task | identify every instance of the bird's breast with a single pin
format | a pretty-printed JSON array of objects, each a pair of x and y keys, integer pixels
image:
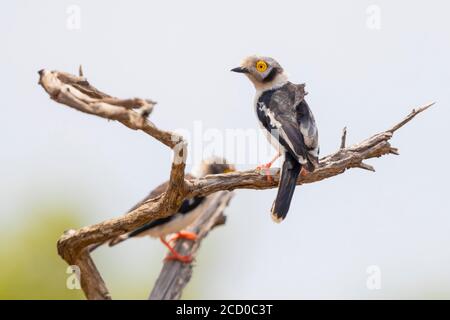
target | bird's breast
[{"x": 267, "y": 123}]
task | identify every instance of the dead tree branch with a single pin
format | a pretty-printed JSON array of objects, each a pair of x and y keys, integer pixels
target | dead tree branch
[
  {"x": 175, "y": 275},
  {"x": 77, "y": 93},
  {"x": 344, "y": 137}
]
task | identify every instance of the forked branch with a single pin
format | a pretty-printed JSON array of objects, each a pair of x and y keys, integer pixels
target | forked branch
[{"x": 77, "y": 93}]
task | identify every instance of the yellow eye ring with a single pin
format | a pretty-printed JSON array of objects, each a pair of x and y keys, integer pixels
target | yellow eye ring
[{"x": 261, "y": 66}]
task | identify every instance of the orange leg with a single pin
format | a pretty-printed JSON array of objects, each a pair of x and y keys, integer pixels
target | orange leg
[
  {"x": 267, "y": 166},
  {"x": 184, "y": 235},
  {"x": 304, "y": 172},
  {"x": 174, "y": 254}
]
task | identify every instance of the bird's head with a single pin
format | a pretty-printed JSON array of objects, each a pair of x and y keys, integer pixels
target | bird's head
[
  {"x": 214, "y": 165},
  {"x": 263, "y": 72}
]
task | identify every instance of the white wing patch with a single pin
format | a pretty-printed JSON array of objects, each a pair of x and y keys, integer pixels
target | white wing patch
[
  {"x": 277, "y": 124},
  {"x": 309, "y": 132},
  {"x": 274, "y": 122}
]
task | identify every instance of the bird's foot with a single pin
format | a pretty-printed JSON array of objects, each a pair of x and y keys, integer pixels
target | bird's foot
[
  {"x": 304, "y": 172},
  {"x": 184, "y": 235},
  {"x": 175, "y": 256},
  {"x": 266, "y": 169}
]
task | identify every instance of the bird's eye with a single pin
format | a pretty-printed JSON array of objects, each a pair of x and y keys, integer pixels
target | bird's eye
[{"x": 261, "y": 66}]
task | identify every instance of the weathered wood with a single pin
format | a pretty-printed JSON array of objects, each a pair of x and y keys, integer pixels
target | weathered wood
[
  {"x": 344, "y": 137},
  {"x": 175, "y": 275},
  {"x": 77, "y": 93}
]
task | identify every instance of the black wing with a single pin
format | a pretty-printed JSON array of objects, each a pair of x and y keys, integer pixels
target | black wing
[
  {"x": 286, "y": 115},
  {"x": 187, "y": 206}
]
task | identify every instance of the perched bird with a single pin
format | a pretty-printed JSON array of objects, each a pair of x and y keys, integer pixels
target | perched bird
[
  {"x": 289, "y": 123},
  {"x": 185, "y": 216}
]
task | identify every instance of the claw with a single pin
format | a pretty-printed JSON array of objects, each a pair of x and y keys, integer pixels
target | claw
[
  {"x": 266, "y": 168},
  {"x": 174, "y": 255},
  {"x": 184, "y": 235},
  {"x": 304, "y": 172},
  {"x": 179, "y": 257}
]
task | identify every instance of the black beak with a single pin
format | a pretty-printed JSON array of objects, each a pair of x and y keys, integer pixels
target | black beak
[{"x": 240, "y": 70}]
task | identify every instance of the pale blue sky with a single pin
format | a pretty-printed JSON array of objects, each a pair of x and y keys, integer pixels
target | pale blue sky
[{"x": 179, "y": 53}]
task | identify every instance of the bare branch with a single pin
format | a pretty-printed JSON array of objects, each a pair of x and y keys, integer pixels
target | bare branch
[
  {"x": 77, "y": 93},
  {"x": 410, "y": 116},
  {"x": 366, "y": 166},
  {"x": 175, "y": 275},
  {"x": 344, "y": 137},
  {"x": 90, "y": 279},
  {"x": 394, "y": 151}
]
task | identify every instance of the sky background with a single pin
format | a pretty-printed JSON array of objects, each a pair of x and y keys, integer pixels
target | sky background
[{"x": 366, "y": 64}]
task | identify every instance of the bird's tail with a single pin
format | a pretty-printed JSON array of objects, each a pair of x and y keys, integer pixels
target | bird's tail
[{"x": 286, "y": 187}]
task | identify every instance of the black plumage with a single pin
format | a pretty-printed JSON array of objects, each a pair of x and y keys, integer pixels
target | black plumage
[
  {"x": 187, "y": 206},
  {"x": 288, "y": 178},
  {"x": 185, "y": 214},
  {"x": 284, "y": 113}
]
